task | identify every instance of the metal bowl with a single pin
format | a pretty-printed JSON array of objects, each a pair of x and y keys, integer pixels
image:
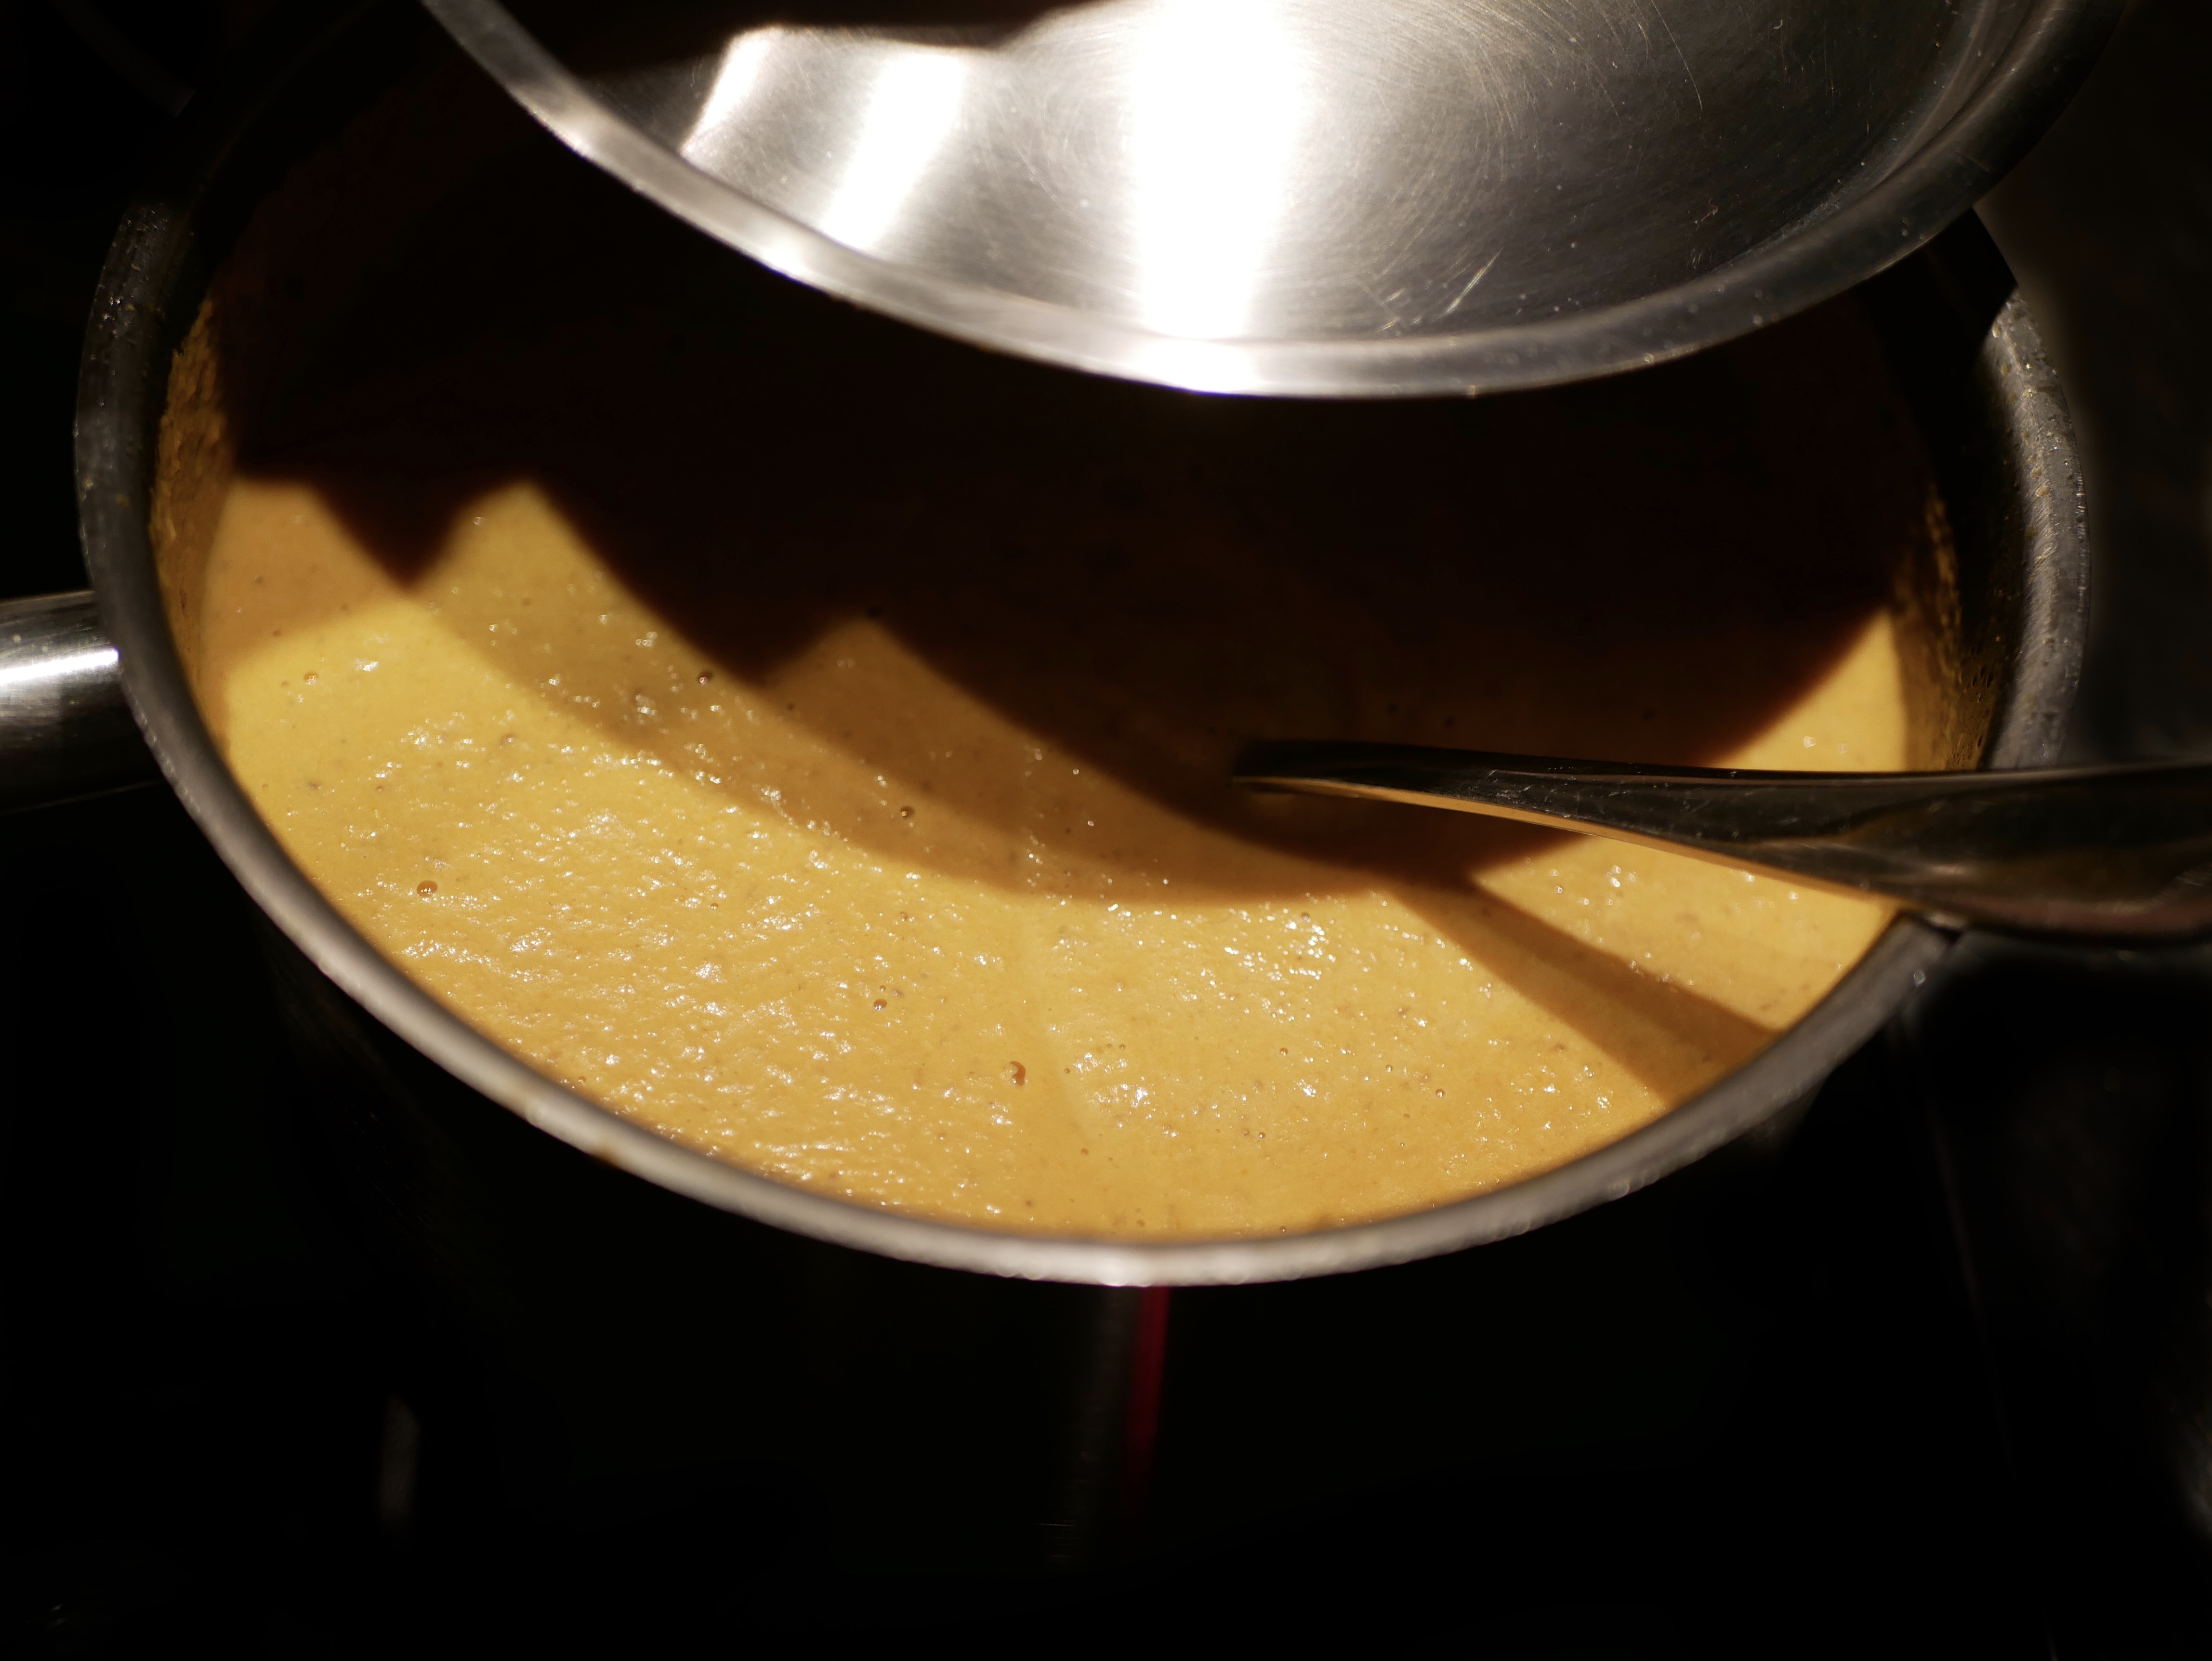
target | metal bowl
[
  {"x": 2003, "y": 626},
  {"x": 1343, "y": 197}
]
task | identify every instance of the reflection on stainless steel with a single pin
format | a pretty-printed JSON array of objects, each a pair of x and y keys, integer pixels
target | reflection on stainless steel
[
  {"x": 65, "y": 730},
  {"x": 2116, "y": 853},
  {"x": 1359, "y": 197}
]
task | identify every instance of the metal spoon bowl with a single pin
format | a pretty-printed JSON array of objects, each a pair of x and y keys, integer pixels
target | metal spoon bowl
[{"x": 2121, "y": 853}]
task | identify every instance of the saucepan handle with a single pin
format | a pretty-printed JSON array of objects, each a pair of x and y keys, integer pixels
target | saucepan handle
[{"x": 65, "y": 730}]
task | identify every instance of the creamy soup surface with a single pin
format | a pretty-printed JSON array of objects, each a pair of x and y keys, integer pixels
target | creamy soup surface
[{"x": 811, "y": 740}]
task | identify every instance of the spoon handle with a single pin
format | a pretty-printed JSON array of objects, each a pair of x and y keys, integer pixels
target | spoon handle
[{"x": 2119, "y": 853}]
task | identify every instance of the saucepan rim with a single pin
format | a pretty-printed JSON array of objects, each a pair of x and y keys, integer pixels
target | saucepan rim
[{"x": 148, "y": 286}]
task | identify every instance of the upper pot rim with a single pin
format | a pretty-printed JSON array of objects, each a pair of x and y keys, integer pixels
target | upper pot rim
[{"x": 122, "y": 393}]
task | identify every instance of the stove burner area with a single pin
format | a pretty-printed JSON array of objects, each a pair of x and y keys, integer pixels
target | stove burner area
[{"x": 1938, "y": 1364}]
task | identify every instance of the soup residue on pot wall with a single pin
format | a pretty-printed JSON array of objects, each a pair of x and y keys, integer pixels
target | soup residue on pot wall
[{"x": 810, "y": 737}]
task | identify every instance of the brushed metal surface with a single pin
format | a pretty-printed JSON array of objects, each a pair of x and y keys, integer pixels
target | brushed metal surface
[
  {"x": 1318, "y": 197},
  {"x": 65, "y": 728}
]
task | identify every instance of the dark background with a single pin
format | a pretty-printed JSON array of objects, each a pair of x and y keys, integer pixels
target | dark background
[{"x": 1940, "y": 1378}]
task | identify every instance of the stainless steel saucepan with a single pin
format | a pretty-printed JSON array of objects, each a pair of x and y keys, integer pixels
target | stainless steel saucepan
[{"x": 411, "y": 1080}]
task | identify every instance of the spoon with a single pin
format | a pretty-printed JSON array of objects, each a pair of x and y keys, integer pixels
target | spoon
[{"x": 2121, "y": 853}]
